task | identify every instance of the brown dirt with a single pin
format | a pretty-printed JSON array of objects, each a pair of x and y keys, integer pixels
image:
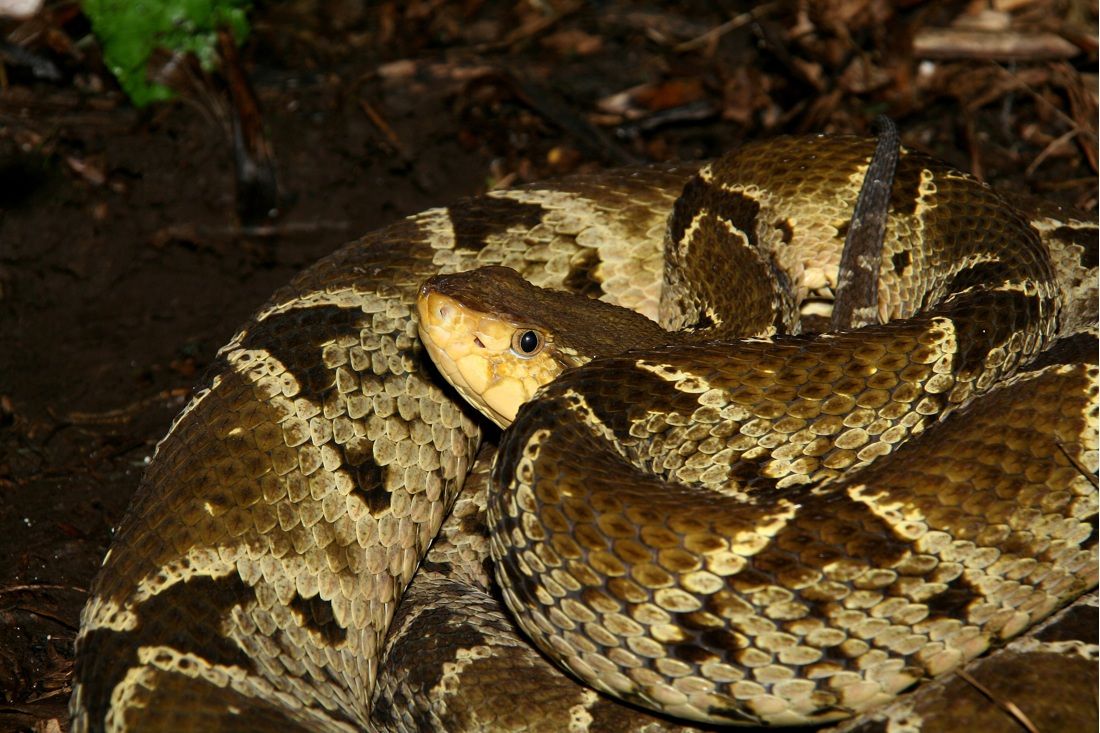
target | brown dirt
[{"x": 123, "y": 267}]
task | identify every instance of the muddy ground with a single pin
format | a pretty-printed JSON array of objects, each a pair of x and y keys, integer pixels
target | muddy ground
[{"x": 124, "y": 262}]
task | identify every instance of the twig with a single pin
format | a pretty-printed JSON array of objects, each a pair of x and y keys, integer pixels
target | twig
[
  {"x": 856, "y": 301},
  {"x": 48, "y": 695},
  {"x": 973, "y": 148},
  {"x": 955, "y": 43},
  {"x": 383, "y": 127},
  {"x": 49, "y": 617},
  {"x": 531, "y": 29},
  {"x": 1040, "y": 99},
  {"x": 1082, "y": 106},
  {"x": 1018, "y": 82},
  {"x": 720, "y": 30},
  {"x": 691, "y": 112},
  {"x": 257, "y": 182},
  {"x": 1079, "y": 466},
  {"x": 122, "y": 414},
  {"x": 40, "y": 586},
  {"x": 1050, "y": 148},
  {"x": 193, "y": 232},
  {"x": 1009, "y": 707}
]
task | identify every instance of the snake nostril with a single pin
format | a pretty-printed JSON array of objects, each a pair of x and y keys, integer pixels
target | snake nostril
[
  {"x": 443, "y": 312},
  {"x": 477, "y": 343}
]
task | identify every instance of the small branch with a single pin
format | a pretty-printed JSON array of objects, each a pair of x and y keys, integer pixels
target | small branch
[
  {"x": 257, "y": 186},
  {"x": 49, "y": 617},
  {"x": 718, "y": 31},
  {"x": 856, "y": 301},
  {"x": 1050, "y": 148},
  {"x": 957, "y": 43},
  {"x": 1009, "y": 707},
  {"x": 530, "y": 29},
  {"x": 124, "y": 414},
  {"x": 384, "y": 127},
  {"x": 41, "y": 586},
  {"x": 1079, "y": 466}
]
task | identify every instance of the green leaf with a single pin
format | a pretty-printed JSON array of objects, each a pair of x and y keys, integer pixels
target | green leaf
[{"x": 130, "y": 30}]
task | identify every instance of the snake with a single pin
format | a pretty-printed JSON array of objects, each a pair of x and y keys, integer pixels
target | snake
[{"x": 787, "y": 527}]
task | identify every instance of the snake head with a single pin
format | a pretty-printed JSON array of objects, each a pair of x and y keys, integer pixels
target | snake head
[{"x": 497, "y": 338}]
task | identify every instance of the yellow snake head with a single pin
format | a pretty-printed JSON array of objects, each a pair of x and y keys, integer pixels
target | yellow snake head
[{"x": 497, "y": 338}]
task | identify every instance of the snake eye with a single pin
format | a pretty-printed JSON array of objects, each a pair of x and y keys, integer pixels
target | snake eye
[{"x": 526, "y": 343}]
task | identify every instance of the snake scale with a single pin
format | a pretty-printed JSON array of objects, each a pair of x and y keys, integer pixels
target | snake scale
[{"x": 256, "y": 580}]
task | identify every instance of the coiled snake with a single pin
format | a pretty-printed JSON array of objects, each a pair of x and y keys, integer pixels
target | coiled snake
[{"x": 847, "y": 550}]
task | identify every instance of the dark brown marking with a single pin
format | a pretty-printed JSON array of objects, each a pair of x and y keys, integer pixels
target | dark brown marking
[
  {"x": 800, "y": 550},
  {"x": 443, "y": 568},
  {"x": 1094, "y": 532},
  {"x": 179, "y": 703},
  {"x": 723, "y": 641},
  {"x": 369, "y": 477},
  {"x": 786, "y": 233},
  {"x": 683, "y": 211},
  {"x": 740, "y": 211},
  {"x": 475, "y": 524},
  {"x": 582, "y": 274},
  {"x": 748, "y": 472},
  {"x": 317, "y": 616},
  {"x": 475, "y": 220},
  {"x": 901, "y": 261},
  {"x": 733, "y": 715},
  {"x": 611, "y": 411},
  {"x": 695, "y": 621},
  {"x": 982, "y": 273},
  {"x": 185, "y": 617},
  {"x": 692, "y": 654},
  {"x": 762, "y": 290},
  {"x": 986, "y": 320},
  {"x": 782, "y": 285},
  {"x": 703, "y": 322},
  {"x": 433, "y": 625},
  {"x": 1085, "y": 237},
  {"x": 954, "y": 600},
  {"x": 1078, "y": 623},
  {"x": 295, "y": 337},
  {"x": 1075, "y": 349},
  {"x": 736, "y": 208}
]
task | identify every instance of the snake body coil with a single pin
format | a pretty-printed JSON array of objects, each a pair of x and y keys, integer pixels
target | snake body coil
[{"x": 858, "y": 540}]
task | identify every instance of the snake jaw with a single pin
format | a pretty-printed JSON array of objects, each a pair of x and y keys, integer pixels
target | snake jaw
[{"x": 473, "y": 351}]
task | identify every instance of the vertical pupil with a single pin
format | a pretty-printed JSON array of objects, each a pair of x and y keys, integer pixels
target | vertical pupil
[{"x": 529, "y": 341}]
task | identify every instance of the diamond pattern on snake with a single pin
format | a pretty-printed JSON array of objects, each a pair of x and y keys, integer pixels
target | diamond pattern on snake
[{"x": 702, "y": 512}]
